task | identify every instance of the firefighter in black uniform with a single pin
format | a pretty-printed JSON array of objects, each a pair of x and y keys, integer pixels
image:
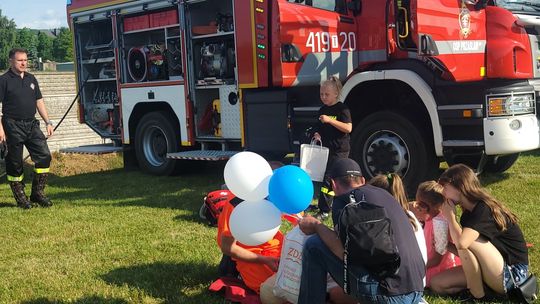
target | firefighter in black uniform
[{"x": 20, "y": 97}]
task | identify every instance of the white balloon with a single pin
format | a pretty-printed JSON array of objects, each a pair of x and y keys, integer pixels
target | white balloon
[
  {"x": 247, "y": 175},
  {"x": 254, "y": 222}
]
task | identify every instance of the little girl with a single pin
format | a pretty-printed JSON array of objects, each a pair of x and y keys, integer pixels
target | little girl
[
  {"x": 333, "y": 130},
  {"x": 429, "y": 200}
]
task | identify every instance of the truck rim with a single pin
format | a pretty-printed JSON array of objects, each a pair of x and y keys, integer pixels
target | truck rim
[
  {"x": 385, "y": 151},
  {"x": 155, "y": 146}
]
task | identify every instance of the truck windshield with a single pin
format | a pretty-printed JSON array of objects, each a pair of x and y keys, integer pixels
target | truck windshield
[{"x": 521, "y": 6}]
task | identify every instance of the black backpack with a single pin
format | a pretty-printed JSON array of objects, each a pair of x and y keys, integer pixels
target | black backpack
[{"x": 367, "y": 237}]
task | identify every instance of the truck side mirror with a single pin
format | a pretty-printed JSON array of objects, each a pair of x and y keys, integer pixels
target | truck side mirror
[{"x": 355, "y": 6}]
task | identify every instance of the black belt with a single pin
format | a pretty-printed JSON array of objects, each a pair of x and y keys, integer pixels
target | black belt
[{"x": 20, "y": 119}]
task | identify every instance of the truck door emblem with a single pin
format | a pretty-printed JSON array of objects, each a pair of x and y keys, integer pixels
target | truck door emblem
[{"x": 464, "y": 21}]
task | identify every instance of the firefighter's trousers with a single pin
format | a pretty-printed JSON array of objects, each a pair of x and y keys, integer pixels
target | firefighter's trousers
[{"x": 21, "y": 133}]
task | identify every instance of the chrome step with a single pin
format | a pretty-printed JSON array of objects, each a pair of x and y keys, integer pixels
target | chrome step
[
  {"x": 92, "y": 149},
  {"x": 211, "y": 155}
]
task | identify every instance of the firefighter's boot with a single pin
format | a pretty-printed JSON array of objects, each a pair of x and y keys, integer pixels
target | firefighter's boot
[
  {"x": 20, "y": 197},
  {"x": 38, "y": 190}
]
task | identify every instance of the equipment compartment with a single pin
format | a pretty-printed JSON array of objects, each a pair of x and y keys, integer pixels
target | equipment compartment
[
  {"x": 97, "y": 76},
  {"x": 212, "y": 47},
  {"x": 153, "y": 54}
]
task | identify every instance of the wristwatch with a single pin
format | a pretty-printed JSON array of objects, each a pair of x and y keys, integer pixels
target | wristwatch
[{"x": 49, "y": 123}]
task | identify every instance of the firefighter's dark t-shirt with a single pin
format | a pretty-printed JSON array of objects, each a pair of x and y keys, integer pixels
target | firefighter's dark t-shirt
[
  {"x": 18, "y": 95},
  {"x": 510, "y": 243},
  {"x": 332, "y": 138}
]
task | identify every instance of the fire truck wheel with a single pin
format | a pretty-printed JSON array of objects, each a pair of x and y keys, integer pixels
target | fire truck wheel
[
  {"x": 499, "y": 164},
  {"x": 154, "y": 138},
  {"x": 387, "y": 142}
]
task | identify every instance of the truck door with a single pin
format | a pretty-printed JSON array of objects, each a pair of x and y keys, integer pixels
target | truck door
[
  {"x": 315, "y": 39},
  {"x": 452, "y": 36}
]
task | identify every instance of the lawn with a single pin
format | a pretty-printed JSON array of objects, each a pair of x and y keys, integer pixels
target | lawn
[{"x": 117, "y": 236}]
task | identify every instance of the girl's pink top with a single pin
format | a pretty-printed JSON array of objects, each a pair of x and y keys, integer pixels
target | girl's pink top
[{"x": 437, "y": 238}]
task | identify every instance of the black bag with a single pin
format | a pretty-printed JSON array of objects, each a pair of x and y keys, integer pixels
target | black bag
[
  {"x": 526, "y": 292},
  {"x": 367, "y": 237},
  {"x": 213, "y": 203}
]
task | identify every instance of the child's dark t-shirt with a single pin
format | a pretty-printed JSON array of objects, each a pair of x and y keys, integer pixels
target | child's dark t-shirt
[
  {"x": 335, "y": 140},
  {"x": 510, "y": 243}
]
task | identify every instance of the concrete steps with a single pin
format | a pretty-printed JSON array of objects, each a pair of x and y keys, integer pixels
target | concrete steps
[{"x": 57, "y": 83}]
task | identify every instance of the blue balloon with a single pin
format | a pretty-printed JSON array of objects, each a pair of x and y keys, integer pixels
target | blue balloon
[{"x": 290, "y": 189}]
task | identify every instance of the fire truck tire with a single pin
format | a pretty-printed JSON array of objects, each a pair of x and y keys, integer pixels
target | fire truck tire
[
  {"x": 499, "y": 164},
  {"x": 386, "y": 142},
  {"x": 155, "y": 136}
]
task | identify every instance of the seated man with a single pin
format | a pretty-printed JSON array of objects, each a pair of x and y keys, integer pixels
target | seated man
[
  {"x": 255, "y": 263},
  {"x": 323, "y": 252}
]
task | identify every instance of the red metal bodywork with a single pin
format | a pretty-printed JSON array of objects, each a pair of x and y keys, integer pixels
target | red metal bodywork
[
  {"x": 78, "y": 4},
  {"x": 246, "y": 69},
  {"x": 463, "y": 54},
  {"x": 504, "y": 53},
  {"x": 293, "y": 24},
  {"x": 509, "y": 51}
]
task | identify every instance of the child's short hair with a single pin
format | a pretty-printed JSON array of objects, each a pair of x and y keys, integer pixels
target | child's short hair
[
  {"x": 432, "y": 192},
  {"x": 335, "y": 82}
]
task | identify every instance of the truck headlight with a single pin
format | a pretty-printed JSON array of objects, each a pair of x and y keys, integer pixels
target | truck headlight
[{"x": 511, "y": 105}]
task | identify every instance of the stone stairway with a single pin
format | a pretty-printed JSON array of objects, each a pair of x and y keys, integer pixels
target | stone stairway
[{"x": 56, "y": 83}]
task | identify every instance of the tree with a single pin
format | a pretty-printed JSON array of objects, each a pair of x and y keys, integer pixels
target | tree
[
  {"x": 63, "y": 46},
  {"x": 8, "y": 36},
  {"x": 26, "y": 38},
  {"x": 44, "y": 46}
]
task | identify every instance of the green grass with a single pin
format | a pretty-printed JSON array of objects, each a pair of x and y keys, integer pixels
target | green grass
[{"x": 117, "y": 236}]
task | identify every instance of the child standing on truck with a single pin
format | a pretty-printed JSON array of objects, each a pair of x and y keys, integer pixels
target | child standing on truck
[{"x": 333, "y": 131}]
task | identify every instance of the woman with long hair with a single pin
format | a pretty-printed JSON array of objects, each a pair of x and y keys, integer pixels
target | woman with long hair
[{"x": 487, "y": 237}]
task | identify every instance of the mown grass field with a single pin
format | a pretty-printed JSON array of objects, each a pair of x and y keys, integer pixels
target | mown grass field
[{"x": 116, "y": 236}]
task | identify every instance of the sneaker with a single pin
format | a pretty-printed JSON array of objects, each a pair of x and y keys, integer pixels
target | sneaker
[{"x": 465, "y": 296}]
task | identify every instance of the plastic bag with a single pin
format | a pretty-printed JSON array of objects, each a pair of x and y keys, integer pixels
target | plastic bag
[
  {"x": 313, "y": 159},
  {"x": 290, "y": 266}
]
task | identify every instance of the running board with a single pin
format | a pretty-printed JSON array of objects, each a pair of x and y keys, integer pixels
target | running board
[
  {"x": 92, "y": 149},
  {"x": 211, "y": 155}
]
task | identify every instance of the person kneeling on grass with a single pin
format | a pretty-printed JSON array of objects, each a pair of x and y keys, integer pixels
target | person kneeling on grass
[
  {"x": 489, "y": 241},
  {"x": 256, "y": 264}
]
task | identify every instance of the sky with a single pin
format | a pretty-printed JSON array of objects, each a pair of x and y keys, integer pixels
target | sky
[{"x": 35, "y": 14}]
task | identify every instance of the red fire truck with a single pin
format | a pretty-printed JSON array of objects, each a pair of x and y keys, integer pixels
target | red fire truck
[{"x": 426, "y": 80}]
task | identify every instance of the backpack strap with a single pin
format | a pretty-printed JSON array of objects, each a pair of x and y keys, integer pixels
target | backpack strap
[
  {"x": 345, "y": 267},
  {"x": 352, "y": 200},
  {"x": 355, "y": 194}
]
